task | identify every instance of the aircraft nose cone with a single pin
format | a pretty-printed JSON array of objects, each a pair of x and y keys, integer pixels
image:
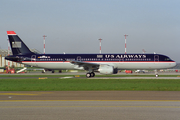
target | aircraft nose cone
[{"x": 174, "y": 64}]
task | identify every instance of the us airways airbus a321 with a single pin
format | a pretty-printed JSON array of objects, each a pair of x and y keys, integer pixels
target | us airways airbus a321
[{"x": 102, "y": 63}]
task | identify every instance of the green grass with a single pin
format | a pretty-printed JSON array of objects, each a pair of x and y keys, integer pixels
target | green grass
[{"x": 82, "y": 84}]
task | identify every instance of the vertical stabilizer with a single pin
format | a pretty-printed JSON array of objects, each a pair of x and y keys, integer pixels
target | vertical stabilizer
[{"x": 17, "y": 45}]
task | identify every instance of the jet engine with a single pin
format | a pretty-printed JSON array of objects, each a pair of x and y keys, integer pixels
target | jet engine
[{"x": 107, "y": 69}]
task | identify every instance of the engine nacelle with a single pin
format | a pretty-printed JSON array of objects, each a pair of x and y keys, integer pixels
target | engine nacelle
[{"x": 107, "y": 69}]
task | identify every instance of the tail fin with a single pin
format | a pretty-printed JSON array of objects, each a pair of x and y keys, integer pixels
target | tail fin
[{"x": 17, "y": 45}]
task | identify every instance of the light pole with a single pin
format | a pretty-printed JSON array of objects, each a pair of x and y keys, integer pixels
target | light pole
[
  {"x": 125, "y": 42},
  {"x": 100, "y": 45},
  {"x": 8, "y": 53},
  {"x": 44, "y": 43},
  {"x": 143, "y": 50}
]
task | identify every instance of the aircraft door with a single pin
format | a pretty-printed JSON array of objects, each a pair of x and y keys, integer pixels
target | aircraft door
[
  {"x": 156, "y": 58},
  {"x": 33, "y": 60},
  {"x": 78, "y": 58}
]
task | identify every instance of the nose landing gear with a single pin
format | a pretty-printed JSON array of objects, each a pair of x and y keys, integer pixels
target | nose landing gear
[{"x": 156, "y": 73}]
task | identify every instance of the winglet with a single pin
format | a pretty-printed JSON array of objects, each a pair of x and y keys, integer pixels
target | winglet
[{"x": 11, "y": 33}]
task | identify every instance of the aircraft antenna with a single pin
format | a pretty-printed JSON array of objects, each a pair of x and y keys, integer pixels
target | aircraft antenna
[
  {"x": 100, "y": 45},
  {"x": 44, "y": 42},
  {"x": 125, "y": 42}
]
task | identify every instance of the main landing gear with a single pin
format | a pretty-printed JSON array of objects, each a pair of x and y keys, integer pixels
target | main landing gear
[{"x": 90, "y": 74}]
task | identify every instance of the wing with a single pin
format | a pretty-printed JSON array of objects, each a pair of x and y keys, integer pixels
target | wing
[{"x": 86, "y": 65}]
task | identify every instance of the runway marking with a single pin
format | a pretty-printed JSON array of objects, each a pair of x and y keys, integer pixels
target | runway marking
[
  {"x": 91, "y": 106},
  {"x": 37, "y": 93},
  {"x": 90, "y": 100},
  {"x": 17, "y": 94}
]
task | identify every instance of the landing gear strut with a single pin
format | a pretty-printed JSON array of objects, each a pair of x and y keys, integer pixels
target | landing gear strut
[{"x": 90, "y": 74}]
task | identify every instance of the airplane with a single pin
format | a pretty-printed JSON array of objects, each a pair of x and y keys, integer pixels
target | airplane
[{"x": 102, "y": 63}]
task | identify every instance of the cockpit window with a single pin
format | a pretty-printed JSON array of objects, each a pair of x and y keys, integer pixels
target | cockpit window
[{"x": 167, "y": 59}]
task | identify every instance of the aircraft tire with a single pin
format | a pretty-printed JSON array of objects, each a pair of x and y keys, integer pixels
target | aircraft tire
[
  {"x": 92, "y": 74},
  {"x": 88, "y": 75},
  {"x": 43, "y": 71}
]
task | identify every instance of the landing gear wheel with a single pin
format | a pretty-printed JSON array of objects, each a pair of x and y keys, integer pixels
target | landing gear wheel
[
  {"x": 92, "y": 74},
  {"x": 157, "y": 75},
  {"x": 88, "y": 75},
  {"x": 43, "y": 71}
]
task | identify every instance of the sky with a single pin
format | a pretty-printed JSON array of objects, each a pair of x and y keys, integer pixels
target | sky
[{"x": 74, "y": 26}]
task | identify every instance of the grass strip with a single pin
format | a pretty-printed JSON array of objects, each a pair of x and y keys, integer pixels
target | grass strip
[{"x": 75, "y": 84}]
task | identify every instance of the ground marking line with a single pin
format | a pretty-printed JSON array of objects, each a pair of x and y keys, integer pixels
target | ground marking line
[
  {"x": 90, "y": 100},
  {"x": 91, "y": 106}
]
